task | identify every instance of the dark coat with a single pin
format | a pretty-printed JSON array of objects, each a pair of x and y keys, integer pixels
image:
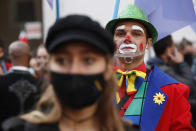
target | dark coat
[
  {"x": 18, "y": 93},
  {"x": 181, "y": 71}
]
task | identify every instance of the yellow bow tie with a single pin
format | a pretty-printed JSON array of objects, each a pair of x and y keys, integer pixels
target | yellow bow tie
[{"x": 130, "y": 77}]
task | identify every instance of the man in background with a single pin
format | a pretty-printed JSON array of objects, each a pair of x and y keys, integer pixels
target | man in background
[
  {"x": 19, "y": 89},
  {"x": 171, "y": 61}
]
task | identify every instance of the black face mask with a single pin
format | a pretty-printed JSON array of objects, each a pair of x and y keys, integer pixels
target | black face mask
[{"x": 77, "y": 91}]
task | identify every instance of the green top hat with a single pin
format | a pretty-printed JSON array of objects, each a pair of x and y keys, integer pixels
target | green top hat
[{"x": 132, "y": 12}]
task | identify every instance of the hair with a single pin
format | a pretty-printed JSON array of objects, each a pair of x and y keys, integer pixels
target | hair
[
  {"x": 49, "y": 109},
  {"x": 41, "y": 46},
  {"x": 161, "y": 45},
  {"x": 184, "y": 43}
]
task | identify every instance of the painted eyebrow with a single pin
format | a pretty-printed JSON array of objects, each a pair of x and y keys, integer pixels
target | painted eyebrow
[
  {"x": 136, "y": 27},
  {"x": 121, "y": 27}
]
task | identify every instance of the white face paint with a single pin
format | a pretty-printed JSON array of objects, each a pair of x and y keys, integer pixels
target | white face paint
[
  {"x": 127, "y": 48},
  {"x": 128, "y": 51},
  {"x": 136, "y": 27},
  {"x": 121, "y": 27}
]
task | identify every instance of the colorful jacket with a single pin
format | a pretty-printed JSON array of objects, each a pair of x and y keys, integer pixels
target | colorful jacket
[{"x": 173, "y": 113}]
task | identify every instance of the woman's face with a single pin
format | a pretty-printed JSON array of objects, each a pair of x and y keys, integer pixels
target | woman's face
[{"x": 77, "y": 58}]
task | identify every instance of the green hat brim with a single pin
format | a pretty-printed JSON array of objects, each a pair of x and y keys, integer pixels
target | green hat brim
[{"x": 152, "y": 32}]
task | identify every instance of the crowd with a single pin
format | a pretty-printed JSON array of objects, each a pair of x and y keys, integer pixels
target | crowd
[{"x": 87, "y": 78}]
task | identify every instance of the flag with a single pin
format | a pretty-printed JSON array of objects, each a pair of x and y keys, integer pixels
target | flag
[
  {"x": 23, "y": 36},
  {"x": 172, "y": 15},
  {"x": 50, "y": 2},
  {"x": 179, "y": 10},
  {"x": 148, "y": 6}
]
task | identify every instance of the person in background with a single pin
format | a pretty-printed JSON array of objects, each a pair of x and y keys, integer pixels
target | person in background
[
  {"x": 187, "y": 48},
  {"x": 5, "y": 66},
  {"x": 80, "y": 96},
  {"x": 147, "y": 97},
  {"x": 19, "y": 89},
  {"x": 42, "y": 61},
  {"x": 39, "y": 67},
  {"x": 171, "y": 61}
]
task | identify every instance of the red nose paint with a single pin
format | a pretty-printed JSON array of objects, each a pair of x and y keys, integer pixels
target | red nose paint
[
  {"x": 141, "y": 47},
  {"x": 127, "y": 38}
]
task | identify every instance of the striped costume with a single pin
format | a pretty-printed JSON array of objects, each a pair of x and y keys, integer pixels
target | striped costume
[{"x": 155, "y": 100}]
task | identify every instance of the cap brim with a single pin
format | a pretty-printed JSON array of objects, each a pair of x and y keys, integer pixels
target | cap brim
[
  {"x": 78, "y": 35},
  {"x": 150, "y": 28}
]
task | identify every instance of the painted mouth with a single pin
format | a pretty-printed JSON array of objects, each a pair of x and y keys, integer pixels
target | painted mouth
[{"x": 127, "y": 48}]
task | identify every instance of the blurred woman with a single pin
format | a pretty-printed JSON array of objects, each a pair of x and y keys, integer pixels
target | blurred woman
[{"x": 80, "y": 97}]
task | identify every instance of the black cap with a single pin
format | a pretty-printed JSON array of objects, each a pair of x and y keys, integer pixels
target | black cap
[{"x": 82, "y": 28}]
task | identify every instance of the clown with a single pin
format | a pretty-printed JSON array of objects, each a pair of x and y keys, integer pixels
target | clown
[
  {"x": 131, "y": 43},
  {"x": 147, "y": 97}
]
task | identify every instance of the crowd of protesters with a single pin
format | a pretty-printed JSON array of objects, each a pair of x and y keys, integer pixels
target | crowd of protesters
[{"x": 70, "y": 83}]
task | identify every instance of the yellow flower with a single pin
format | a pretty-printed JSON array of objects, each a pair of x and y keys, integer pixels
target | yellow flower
[{"x": 159, "y": 98}]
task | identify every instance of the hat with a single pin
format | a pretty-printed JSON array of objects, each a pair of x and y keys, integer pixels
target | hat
[
  {"x": 132, "y": 12},
  {"x": 79, "y": 28}
]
